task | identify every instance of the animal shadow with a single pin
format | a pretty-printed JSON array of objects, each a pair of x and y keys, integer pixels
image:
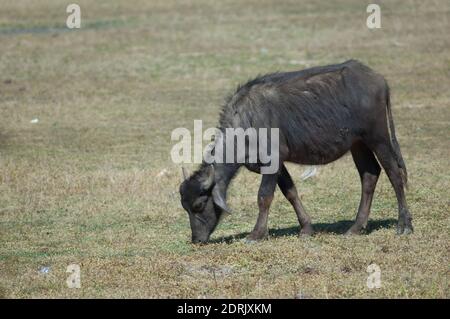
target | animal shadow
[{"x": 338, "y": 228}]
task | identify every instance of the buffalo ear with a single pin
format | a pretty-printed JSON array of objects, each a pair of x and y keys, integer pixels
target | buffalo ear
[
  {"x": 208, "y": 178},
  {"x": 185, "y": 173},
  {"x": 219, "y": 199}
]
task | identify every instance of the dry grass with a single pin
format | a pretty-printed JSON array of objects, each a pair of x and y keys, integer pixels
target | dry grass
[{"x": 81, "y": 185}]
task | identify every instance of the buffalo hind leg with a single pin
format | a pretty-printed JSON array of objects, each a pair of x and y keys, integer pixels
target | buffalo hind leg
[
  {"x": 369, "y": 171},
  {"x": 387, "y": 158},
  {"x": 289, "y": 191},
  {"x": 265, "y": 197}
]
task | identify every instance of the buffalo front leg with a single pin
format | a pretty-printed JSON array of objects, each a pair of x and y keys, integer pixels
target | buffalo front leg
[
  {"x": 289, "y": 190},
  {"x": 265, "y": 197}
]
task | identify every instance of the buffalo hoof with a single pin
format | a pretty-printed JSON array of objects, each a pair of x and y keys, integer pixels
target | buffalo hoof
[
  {"x": 255, "y": 237},
  {"x": 404, "y": 230},
  {"x": 354, "y": 230},
  {"x": 306, "y": 231},
  {"x": 248, "y": 241}
]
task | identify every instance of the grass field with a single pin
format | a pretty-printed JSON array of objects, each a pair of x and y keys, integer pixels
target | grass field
[{"x": 84, "y": 184}]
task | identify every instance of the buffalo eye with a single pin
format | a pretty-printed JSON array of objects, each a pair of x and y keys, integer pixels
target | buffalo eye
[{"x": 199, "y": 203}]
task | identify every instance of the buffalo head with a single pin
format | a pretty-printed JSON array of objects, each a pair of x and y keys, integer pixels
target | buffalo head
[{"x": 203, "y": 201}]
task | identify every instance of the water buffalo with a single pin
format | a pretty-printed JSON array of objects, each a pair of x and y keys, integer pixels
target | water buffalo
[{"x": 321, "y": 113}]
